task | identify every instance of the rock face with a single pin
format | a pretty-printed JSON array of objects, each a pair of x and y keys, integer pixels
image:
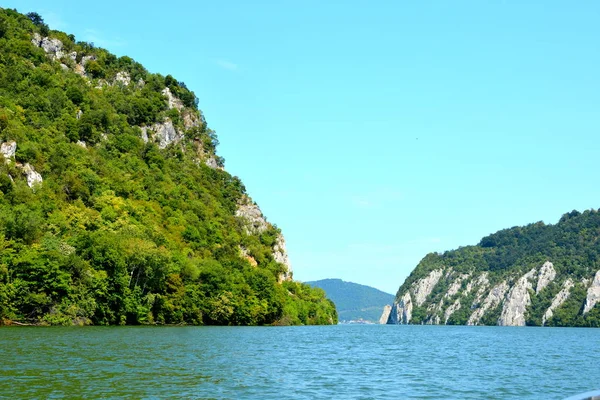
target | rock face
[
  {"x": 385, "y": 315},
  {"x": 173, "y": 102},
  {"x": 255, "y": 223},
  {"x": 593, "y": 294},
  {"x": 493, "y": 299},
  {"x": 423, "y": 287},
  {"x": 52, "y": 47},
  {"x": 517, "y": 301},
  {"x": 547, "y": 275},
  {"x": 162, "y": 132},
  {"x": 558, "y": 300},
  {"x": 212, "y": 163},
  {"x": 190, "y": 119},
  {"x": 451, "y": 310},
  {"x": 8, "y": 150},
  {"x": 254, "y": 219},
  {"x": 123, "y": 78},
  {"x": 401, "y": 312},
  {"x": 280, "y": 255},
  {"x": 33, "y": 177}
]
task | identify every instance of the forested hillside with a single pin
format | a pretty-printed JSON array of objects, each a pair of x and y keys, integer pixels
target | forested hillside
[
  {"x": 533, "y": 275},
  {"x": 354, "y": 301},
  {"x": 115, "y": 208}
]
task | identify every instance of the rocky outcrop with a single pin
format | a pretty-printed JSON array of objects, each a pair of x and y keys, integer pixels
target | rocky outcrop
[
  {"x": 162, "y": 132},
  {"x": 33, "y": 177},
  {"x": 212, "y": 162},
  {"x": 401, "y": 312},
  {"x": 249, "y": 212},
  {"x": 123, "y": 78},
  {"x": 493, "y": 299},
  {"x": 423, "y": 287},
  {"x": 547, "y": 275},
  {"x": 558, "y": 300},
  {"x": 481, "y": 283},
  {"x": 8, "y": 150},
  {"x": 455, "y": 286},
  {"x": 517, "y": 301},
  {"x": 280, "y": 255},
  {"x": 385, "y": 315},
  {"x": 52, "y": 47},
  {"x": 593, "y": 294},
  {"x": 451, "y": 310},
  {"x": 190, "y": 119},
  {"x": 172, "y": 101}
]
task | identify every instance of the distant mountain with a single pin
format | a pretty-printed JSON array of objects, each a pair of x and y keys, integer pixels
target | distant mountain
[{"x": 354, "y": 301}]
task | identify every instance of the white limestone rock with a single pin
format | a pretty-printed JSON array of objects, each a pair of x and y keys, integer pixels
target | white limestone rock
[
  {"x": 81, "y": 143},
  {"x": 212, "y": 162},
  {"x": 456, "y": 285},
  {"x": 593, "y": 294},
  {"x": 87, "y": 59},
  {"x": 494, "y": 297},
  {"x": 173, "y": 102},
  {"x": 517, "y": 301},
  {"x": 547, "y": 275},
  {"x": 123, "y": 78},
  {"x": 280, "y": 255},
  {"x": 253, "y": 218},
  {"x": 162, "y": 132},
  {"x": 8, "y": 150},
  {"x": 33, "y": 177},
  {"x": 558, "y": 300},
  {"x": 401, "y": 312},
  {"x": 451, "y": 310},
  {"x": 385, "y": 315},
  {"x": 423, "y": 287},
  {"x": 52, "y": 47},
  {"x": 482, "y": 284}
]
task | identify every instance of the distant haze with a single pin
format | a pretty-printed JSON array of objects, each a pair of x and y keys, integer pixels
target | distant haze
[{"x": 354, "y": 301}]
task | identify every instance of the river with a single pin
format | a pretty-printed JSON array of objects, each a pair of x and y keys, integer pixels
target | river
[{"x": 328, "y": 362}]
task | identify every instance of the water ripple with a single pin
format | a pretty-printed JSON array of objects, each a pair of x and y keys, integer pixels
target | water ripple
[{"x": 350, "y": 362}]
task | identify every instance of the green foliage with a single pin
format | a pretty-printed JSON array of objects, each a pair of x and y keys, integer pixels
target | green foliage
[
  {"x": 572, "y": 245},
  {"x": 121, "y": 231}
]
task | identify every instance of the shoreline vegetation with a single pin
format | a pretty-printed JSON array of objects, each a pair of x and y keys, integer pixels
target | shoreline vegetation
[{"x": 115, "y": 208}]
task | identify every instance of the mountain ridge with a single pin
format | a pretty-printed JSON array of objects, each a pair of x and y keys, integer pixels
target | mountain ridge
[{"x": 539, "y": 275}]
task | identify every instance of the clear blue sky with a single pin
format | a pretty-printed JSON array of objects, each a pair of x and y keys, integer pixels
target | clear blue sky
[{"x": 373, "y": 133}]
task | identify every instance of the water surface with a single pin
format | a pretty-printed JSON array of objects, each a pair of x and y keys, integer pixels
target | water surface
[{"x": 344, "y": 361}]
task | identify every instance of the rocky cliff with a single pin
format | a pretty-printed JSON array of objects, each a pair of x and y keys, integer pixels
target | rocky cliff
[{"x": 534, "y": 275}]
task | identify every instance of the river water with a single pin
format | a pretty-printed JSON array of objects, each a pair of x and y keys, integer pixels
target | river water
[{"x": 328, "y": 362}]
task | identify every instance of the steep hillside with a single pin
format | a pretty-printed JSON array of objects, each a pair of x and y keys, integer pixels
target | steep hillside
[
  {"x": 533, "y": 275},
  {"x": 115, "y": 208},
  {"x": 354, "y": 301}
]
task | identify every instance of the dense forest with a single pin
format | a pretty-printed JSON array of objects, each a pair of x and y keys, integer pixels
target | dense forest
[
  {"x": 573, "y": 247},
  {"x": 115, "y": 208}
]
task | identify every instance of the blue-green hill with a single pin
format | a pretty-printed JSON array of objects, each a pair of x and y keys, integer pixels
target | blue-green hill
[{"x": 354, "y": 301}]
